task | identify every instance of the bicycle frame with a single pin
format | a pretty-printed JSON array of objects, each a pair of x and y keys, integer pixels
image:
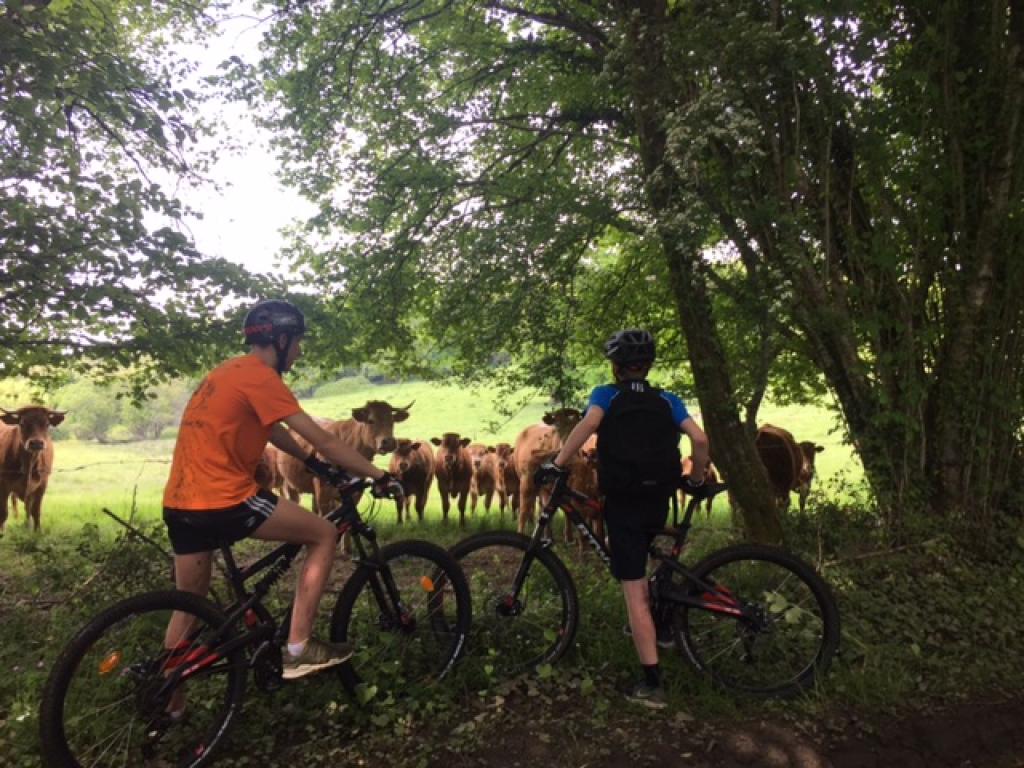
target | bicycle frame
[
  {"x": 712, "y": 597},
  {"x": 277, "y": 562}
]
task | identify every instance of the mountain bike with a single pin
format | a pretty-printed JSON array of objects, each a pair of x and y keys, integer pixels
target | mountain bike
[
  {"x": 754, "y": 619},
  {"x": 107, "y": 700}
]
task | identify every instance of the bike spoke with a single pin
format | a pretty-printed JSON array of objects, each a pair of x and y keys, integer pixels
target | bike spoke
[
  {"x": 112, "y": 708},
  {"x": 510, "y": 636},
  {"x": 779, "y": 640},
  {"x": 395, "y": 648}
]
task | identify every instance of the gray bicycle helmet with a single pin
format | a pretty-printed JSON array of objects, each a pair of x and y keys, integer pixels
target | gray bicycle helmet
[{"x": 632, "y": 346}]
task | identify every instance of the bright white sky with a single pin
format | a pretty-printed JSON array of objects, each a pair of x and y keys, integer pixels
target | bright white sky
[{"x": 243, "y": 220}]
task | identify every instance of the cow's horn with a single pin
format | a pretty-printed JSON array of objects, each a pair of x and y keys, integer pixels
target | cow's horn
[{"x": 406, "y": 408}]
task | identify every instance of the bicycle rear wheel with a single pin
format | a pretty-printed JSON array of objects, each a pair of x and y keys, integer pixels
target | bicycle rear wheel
[
  {"x": 105, "y": 703},
  {"x": 789, "y": 632},
  {"x": 512, "y": 634},
  {"x": 413, "y": 641}
]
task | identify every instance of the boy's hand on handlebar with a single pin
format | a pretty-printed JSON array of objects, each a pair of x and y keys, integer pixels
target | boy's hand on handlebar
[
  {"x": 325, "y": 471},
  {"x": 548, "y": 472},
  {"x": 387, "y": 485},
  {"x": 692, "y": 487}
]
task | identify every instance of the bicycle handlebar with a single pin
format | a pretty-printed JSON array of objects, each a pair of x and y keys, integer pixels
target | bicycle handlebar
[
  {"x": 561, "y": 489},
  {"x": 348, "y": 485}
]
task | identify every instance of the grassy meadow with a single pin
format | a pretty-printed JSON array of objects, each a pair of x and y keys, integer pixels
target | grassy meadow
[{"x": 89, "y": 476}]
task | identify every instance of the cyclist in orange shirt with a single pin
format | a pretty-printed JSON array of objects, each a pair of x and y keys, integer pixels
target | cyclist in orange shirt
[{"x": 211, "y": 497}]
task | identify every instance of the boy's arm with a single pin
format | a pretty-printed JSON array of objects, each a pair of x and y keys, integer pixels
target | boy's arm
[
  {"x": 587, "y": 426},
  {"x": 698, "y": 448},
  {"x": 281, "y": 438}
]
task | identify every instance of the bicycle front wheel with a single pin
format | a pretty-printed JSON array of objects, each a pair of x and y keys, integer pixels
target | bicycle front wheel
[
  {"x": 788, "y": 631},
  {"x": 516, "y": 632},
  {"x": 407, "y": 612},
  {"x": 107, "y": 701}
]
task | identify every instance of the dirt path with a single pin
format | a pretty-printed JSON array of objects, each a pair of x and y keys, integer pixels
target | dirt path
[{"x": 975, "y": 734}]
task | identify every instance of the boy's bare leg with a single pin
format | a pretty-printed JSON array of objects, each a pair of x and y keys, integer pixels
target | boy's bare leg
[
  {"x": 191, "y": 574},
  {"x": 291, "y": 523},
  {"x": 641, "y": 623}
]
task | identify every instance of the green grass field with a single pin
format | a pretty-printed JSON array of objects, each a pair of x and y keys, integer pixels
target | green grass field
[{"x": 89, "y": 476}]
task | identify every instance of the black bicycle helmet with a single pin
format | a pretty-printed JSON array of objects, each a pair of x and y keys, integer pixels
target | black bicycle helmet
[
  {"x": 270, "y": 321},
  {"x": 632, "y": 346}
]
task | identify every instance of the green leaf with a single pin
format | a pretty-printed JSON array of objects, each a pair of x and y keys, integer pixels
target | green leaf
[{"x": 365, "y": 693}]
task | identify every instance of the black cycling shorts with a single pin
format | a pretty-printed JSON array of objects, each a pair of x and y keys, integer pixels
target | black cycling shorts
[
  {"x": 632, "y": 521},
  {"x": 194, "y": 531}
]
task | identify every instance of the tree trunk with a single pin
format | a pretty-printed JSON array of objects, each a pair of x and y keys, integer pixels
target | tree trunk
[
  {"x": 654, "y": 95},
  {"x": 731, "y": 445}
]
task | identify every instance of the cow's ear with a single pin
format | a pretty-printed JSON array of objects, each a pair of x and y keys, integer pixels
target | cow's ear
[
  {"x": 435, "y": 440},
  {"x": 464, "y": 442},
  {"x": 819, "y": 448},
  {"x": 400, "y": 415},
  {"x": 360, "y": 414},
  {"x": 56, "y": 417},
  {"x": 415, "y": 446},
  {"x": 548, "y": 419},
  {"x": 11, "y": 419}
]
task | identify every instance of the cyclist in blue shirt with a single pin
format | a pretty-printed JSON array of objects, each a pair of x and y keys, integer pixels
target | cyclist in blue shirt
[{"x": 638, "y": 428}]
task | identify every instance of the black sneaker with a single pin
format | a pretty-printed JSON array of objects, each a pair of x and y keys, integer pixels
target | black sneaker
[
  {"x": 650, "y": 696},
  {"x": 664, "y": 636}
]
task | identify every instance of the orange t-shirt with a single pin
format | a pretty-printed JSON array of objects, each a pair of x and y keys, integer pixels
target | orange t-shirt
[{"x": 223, "y": 432}]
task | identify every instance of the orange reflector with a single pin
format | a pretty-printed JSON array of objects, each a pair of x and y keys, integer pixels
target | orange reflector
[
  {"x": 427, "y": 583},
  {"x": 110, "y": 663}
]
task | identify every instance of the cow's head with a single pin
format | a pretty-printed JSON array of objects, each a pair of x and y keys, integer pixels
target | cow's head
[
  {"x": 451, "y": 446},
  {"x": 477, "y": 453},
  {"x": 404, "y": 450},
  {"x": 808, "y": 451},
  {"x": 563, "y": 420},
  {"x": 504, "y": 453},
  {"x": 34, "y": 422},
  {"x": 380, "y": 418}
]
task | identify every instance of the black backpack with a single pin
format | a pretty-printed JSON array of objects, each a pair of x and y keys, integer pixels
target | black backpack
[{"x": 638, "y": 442}]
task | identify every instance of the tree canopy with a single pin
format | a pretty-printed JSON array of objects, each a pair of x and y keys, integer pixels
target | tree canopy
[
  {"x": 96, "y": 126},
  {"x": 861, "y": 159}
]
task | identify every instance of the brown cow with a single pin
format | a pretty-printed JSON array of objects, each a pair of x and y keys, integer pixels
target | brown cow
[
  {"x": 781, "y": 456},
  {"x": 413, "y": 464},
  {"x": 268, "y": 475},
  {"x": 26, "y": 459},
  {"x": 507, "y": 479},
  {"x": 583, "y": 479},
  {"x": 803, "y": 486},
  {"x": 454, "y": 472},
  {"x": 370, "y": 431},
  {"x": 484, "y": 483},
  {"x": 710, "y": 478},
  {"x": 533, "y": 447}
]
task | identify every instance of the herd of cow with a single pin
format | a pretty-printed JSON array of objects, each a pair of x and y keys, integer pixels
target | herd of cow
[
  {"x": 464, "y": 470},
  {"x": 468, "y": 471}
]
